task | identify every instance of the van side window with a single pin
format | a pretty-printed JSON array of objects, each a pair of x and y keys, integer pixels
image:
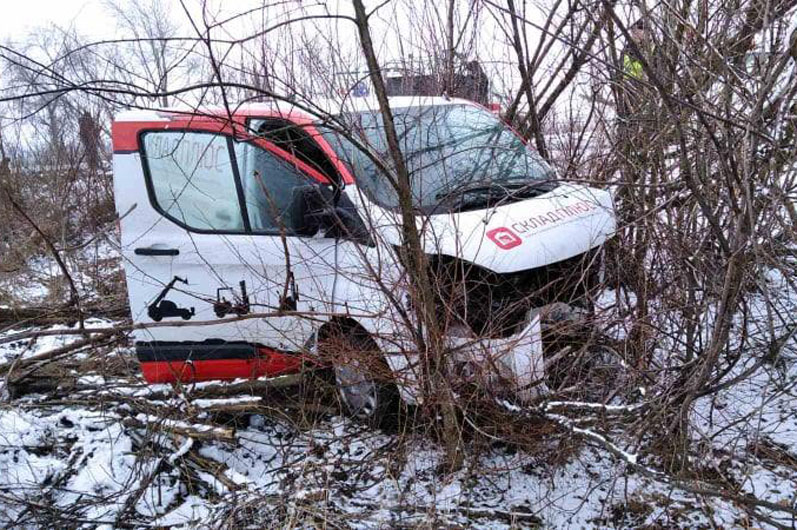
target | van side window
[
  {"x": 296, "y": 141},
  {"x": 268, "y": 184},
  {"x": 370, "y": 177},
  {"x": 192, "y": 179}
]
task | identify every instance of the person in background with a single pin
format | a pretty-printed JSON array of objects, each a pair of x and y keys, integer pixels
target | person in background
[
  {"x": 632, "y": 66},
  {"x": 634, "y": 90}
]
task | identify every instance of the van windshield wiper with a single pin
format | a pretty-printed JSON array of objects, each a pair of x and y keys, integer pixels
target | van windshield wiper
[{"x": 507, "y": 187}]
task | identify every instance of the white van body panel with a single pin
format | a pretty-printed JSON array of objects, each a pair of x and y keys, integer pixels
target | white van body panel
[
  {"x": 338, "y": 277},
  {"x": 212, "y": 261},
  {"x": 376, "y": 275},
  {"x": 535, "y": 232},
  {"x": 552, "y": 227}
]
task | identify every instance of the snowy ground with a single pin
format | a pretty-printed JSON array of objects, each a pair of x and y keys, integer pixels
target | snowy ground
[
  {"x": 95, "y": 270},
  {"x": 96, "y": 447},
  {"x": 108, "y": 451}
]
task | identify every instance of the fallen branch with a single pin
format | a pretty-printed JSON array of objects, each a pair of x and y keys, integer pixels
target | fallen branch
[
  {"x": 631, "y": 459},
  {"x": 49, "y": 356},
  {"x": 41, "y": 316},
  {"x": 197, "y": 431},
  {"x": 175, "y": 324}
]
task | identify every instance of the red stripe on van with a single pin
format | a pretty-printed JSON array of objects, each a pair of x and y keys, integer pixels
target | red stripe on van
[{"x": 270, "y": 364}]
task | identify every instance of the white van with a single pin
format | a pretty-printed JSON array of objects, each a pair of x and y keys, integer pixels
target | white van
[{"x": 251, "y": 238}]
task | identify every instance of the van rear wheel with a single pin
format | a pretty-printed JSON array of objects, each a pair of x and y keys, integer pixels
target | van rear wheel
[{"x": 363, "y": 379}]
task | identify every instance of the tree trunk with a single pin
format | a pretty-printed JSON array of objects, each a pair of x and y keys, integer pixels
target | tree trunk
[
  {"x": 430, "y": 344},
  {"x": 532, "y": 118}
]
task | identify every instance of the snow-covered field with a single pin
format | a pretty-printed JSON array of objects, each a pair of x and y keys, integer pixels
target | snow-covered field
[
  {"x": 105, "y": 451},
  {"x": 104, "y": 465},
  {"x": 88, "y": 444}
]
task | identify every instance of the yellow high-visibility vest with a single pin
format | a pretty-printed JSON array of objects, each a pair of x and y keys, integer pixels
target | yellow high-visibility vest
[{"x": 632, "y": 67}]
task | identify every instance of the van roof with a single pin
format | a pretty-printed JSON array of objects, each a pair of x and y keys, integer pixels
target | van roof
[{"x": 308, "y": 107}]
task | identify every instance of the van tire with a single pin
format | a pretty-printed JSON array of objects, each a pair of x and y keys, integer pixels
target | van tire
[{"x": 363, "y": 380}]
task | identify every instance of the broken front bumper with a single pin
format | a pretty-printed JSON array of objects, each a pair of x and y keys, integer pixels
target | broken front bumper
[{"x": 513, "y": 366}]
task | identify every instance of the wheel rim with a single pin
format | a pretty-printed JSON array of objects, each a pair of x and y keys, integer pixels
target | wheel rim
[{"x": 358, "y": 391}]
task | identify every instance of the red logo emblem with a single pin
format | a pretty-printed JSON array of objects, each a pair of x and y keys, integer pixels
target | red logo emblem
[{"x": 504, "y": 238}]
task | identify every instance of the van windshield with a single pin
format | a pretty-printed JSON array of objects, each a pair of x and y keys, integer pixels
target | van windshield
[{"x": 459, "y": 156}]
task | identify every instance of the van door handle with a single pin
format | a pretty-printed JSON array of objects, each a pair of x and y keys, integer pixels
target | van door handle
[{"x": 154, "y": 251}]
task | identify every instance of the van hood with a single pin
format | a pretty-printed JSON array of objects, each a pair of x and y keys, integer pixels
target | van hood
[{"x": 555, "y": 226}]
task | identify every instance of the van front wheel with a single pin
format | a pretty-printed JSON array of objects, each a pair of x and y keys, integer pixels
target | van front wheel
[{"x": 363, "y": 379}]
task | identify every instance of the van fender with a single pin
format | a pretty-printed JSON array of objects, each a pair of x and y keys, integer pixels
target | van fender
[{"x": 401, "y": 362}]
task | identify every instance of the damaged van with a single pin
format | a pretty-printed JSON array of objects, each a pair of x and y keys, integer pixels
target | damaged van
[{"x": 259, "y": 238}]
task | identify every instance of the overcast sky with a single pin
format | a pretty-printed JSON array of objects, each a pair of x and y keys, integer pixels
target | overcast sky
[
  {"x": 21, "y": 16},
  {"x": 93, "y": 20}
]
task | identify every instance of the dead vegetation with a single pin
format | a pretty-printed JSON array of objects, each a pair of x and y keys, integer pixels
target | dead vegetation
[{"x": 683, "y": 378}]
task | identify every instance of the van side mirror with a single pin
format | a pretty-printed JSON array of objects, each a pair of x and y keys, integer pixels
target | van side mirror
[
  {"x": 314, "y": 208},
  {"x": 310, "y": 204}
]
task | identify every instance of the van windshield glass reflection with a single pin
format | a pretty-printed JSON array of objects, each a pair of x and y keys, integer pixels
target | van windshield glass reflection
[{"x": 449, "y": 150}]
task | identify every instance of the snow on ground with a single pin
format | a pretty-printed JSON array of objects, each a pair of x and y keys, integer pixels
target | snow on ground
[
  {"x": 95, "y": 268},
  {"x": 106, "y": 449},
  {"x": 362, "y": 478},
  {"x": 28, "y": 347},
  {"x": 359, "y": 478},
  {"x": 90, "y": 462}
]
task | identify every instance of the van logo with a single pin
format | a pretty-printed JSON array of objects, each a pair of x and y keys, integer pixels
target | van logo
[{"x": 504, "y": 238}]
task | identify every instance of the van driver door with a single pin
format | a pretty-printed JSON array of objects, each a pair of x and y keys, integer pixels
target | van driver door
[{"x": 211, "y": 248}]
